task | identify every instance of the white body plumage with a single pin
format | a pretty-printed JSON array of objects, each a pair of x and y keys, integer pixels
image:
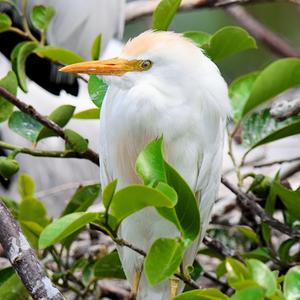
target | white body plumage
[{"x": 182, "y": 97}]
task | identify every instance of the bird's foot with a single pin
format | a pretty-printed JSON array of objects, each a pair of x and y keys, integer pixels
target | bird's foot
[
  {"x": 174, "y": 283},
  {"x": 135, "y": 284}
]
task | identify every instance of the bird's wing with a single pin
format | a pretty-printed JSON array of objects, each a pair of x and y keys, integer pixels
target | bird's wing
[{"x": 77, "y": 23}]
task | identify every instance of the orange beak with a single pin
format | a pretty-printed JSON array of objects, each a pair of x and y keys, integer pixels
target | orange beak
[{"x": 115, "y": 66}]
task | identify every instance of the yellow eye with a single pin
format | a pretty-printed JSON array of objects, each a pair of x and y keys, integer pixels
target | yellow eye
[{"x": 146, "y": 64}]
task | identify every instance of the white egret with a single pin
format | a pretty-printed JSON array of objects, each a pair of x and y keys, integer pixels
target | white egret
[{"x": 161, "y": 84}]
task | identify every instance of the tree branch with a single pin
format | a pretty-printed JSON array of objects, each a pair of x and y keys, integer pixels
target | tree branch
[
  {"x": 274, "y": 42},
  {"x": 89, "y": 154},
  {"x": 137, "y": 9},
  {"x": 23, "y": 259},
  {"x": 40, "y": 153},
  {"x": 249, "y": 201}
]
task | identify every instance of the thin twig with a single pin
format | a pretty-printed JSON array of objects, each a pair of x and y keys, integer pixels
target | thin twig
[
  {"x": 28, "y": 109},
  {"x": 249, "y": 201},
  {"x": 24, "y": 260},
  {"x": 276, "y": 162}
]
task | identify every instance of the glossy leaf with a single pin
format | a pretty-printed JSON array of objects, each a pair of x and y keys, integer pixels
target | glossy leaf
[
  {"x": 8, "y": 167},
  {"x": 83, "y": 198},
  {"x": 24, "y": 125},
  {"x": 133, "y": 198},
  {"x": 32, "y": 231},
  {"x": 239, "y": 92},
  {"x": 41, "y": 16},
  {"x": 237, "y": 271},
  {"x": 108, "y": 193},
  {"x": 10, "y": 83},
  {"x": 163, "y": 259},
  {"x": 164, "y": 14},
  {"x": 273, "y": 80},
  {"x": 289, "y": 198},
  {"x": 284, "y": 250},
  {"x": 204, "y": 294},
  {"x": 97, "y": 89},
  {"x": 198, "y": 37},
  {"x": 75, "y": 141},
  {"x": 227, "y": 41},
  {"x": 150, "y": 165},
  {"x": 5, "y": 22},
  {"x": 26, "y": 186},
  {"x": 61, "y": 55},
  {"x": 92, "y": 113},
  {"x": 33, "y": 210},
  {"x": 19, "y": 56},
  {"x": 260, "y": 253},
  {"x": 96, "y": 47},
  {"x": 291, "y": 285},
  {"x": 61, "y": 116},
  {"x": 109, "y": 266},
  {"x": 64, "y": 227},
  {"x": 187, "y": 209},
  {"x": 249, "y": 293},
  {"x": 262, "y": 275},
  {"x": 261, "y": 129}
]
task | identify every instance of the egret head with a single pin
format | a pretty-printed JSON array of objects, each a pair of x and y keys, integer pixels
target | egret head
[{"x": 150, "y": 56}]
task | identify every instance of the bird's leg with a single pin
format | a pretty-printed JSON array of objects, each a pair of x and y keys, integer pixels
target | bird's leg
[
  {"x": 136, "y": 283},
  {"x": 174, "y": 283}
]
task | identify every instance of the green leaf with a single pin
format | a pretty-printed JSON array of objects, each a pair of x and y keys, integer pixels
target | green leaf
[
  {"x": 32, "y": 231},
  {"x": 11, "y": 204},
  {"x": 96, "y": 47},
  {"x": 289, "y": 198},
  {"x": 61, "y": 116},
  {"x": 33, "y": 210},
  {"x": 75, "y": 141},
  {"x": 18, "y": 60},
  {"x": 5, "y": 22},
  {"x": 249, "y": 233},
  {"x": 260, "y": 253},
  {"x": 64, "y": 227},
  {"x": 97, "y": 89},
  {"x": 284, "y": 250},
  {"x": 11, "y": 287},
  {"x": 163, "y": 259},
  {"x": 83, "y": 198},
  {"x": 205, "y": 294},
  {"x": 109, "y": 266},
  {"x": 262, "y": 275},
  {"x": 152, "y": 168},
  {"x": 227, "y": 41},
  {"x": 10, "y": 83},
  {"x": 150, "y": 165},
  {"x": 291, "y": 285},
  {"x": 261, "y": 128},
  {"x": 273, "y": 80},
  {"x": 239, "y": 92},
  {"x": 198, "y": 37},
  {"x": 187, "y": 209},
  {"x": 41, "y": 16},
  {"x": 133, "y": 198},
  {"x": 249, "y": 293},
  {"x": 164, "y": 14},
  {"x": 108, "y": 193},
  {"x": 237, "y": 271},
  {"x": 61, "y": 55},
  {"x": 24, "y": 125},
  {"x": 26, "y": 186},
  {"x": 92, "y": 113},
  {"x": 8, "y": 167}
]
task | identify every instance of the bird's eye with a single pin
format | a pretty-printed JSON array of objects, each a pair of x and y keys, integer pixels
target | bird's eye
[{"x": 146, "y": 64}]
